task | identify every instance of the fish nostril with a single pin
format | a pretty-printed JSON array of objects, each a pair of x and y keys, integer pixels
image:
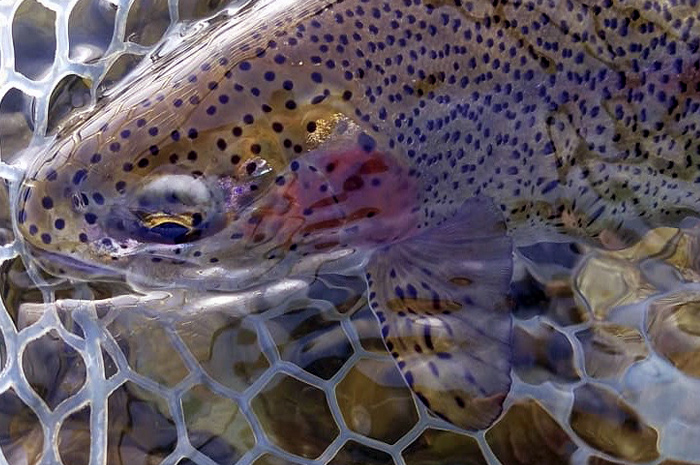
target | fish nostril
[{"x": 80, "y": 201}]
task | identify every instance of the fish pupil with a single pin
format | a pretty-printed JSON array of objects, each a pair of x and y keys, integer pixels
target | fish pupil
[{"x": 170, "y": 232}]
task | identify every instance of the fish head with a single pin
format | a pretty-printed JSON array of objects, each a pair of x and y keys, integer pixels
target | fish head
[{"x": 238, "y": 181}]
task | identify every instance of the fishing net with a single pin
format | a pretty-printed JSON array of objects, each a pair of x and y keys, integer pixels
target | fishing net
[
  {"x": 93, "y": 374},
  {"x": 84, "y": 382}
]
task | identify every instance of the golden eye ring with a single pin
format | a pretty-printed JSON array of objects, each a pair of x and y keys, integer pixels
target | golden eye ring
[{"x": 153, "y": 220}]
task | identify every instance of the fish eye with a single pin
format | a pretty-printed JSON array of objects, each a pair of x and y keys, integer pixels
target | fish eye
[
  {"x": 171, "y": 228},
  {"x": 172, "y": 209}
]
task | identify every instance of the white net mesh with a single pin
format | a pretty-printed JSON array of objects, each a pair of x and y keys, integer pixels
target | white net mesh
[
  {"x": 305, "y": 379},
  {"x": 82, "y": 383}
]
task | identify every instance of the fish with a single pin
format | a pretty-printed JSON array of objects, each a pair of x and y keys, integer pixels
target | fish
[{"x": 423, "y": 141}]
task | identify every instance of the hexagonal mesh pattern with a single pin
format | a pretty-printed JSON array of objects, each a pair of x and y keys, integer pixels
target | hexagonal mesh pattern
[{"x": 305, "y": 380}]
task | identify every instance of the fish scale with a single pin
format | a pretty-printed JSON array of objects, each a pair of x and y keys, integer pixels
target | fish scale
[
  {"x": 454, "y": 87},
  {"x": 238, "y": 162}
]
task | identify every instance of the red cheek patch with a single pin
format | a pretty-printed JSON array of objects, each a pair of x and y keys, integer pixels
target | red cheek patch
[{"x": 331, "y": 198}]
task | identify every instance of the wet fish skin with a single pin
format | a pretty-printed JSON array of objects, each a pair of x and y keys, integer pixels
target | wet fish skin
[
  {"x": 575, "y": 118},
  {"x": 394, "y": 134}
]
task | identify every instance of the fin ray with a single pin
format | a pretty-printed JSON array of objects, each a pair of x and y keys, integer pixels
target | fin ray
[{"x": 441, "y": 300}]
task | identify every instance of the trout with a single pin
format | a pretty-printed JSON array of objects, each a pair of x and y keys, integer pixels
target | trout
[{"x": 419, "y": 139}]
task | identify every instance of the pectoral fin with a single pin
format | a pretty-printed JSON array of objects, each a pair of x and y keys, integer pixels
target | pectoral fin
[{"x": 441, "y": 299}]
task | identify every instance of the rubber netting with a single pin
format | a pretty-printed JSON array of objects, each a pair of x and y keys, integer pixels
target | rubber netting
[
  {"x": 82, "y": 382},
  {"x": 104, "y": 377}
]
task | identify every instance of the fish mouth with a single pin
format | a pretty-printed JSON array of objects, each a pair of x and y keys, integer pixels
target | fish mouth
[{"x": 67, "y": 266}]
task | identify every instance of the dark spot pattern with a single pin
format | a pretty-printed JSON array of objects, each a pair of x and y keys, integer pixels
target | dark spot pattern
[{"x": 575, "y": 117}]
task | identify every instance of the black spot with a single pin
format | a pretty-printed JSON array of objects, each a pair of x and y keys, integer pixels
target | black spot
[
  {"x": 196, "y": 219},
  {"x": 353, "y": 183},
  {"x": 237, "y": 131},
  {"x": 255, "y": 148},
  {"x": 59, "y": 223},
  {"x": 221, "y": 144},
  {"x": 142, "y": 163},
  {"x": 366, "y": 142},
  {"x": 250, "y": 168},
  {"x": 192, "y": 133},
  {"x": 235, "y": 159},
  {"x": 427, "y": 336},
  {"x": 79, "y": 176},
  {"x": 311, "y": 126},
  {"x": 277, "y": 127},
  {"x": 192, "y": 155},
  {"x": 47, "y": 203},
  {"x": 91, "y": 218},
  {"x": 290, "y": 105},
  {"x": 82, "y": 237},
  {"x": 46, "y": 238}
]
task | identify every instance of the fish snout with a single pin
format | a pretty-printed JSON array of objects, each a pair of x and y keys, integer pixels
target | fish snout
[
  {"x": 57, "y": 217},
  {"x": 48, "y": 210}
]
